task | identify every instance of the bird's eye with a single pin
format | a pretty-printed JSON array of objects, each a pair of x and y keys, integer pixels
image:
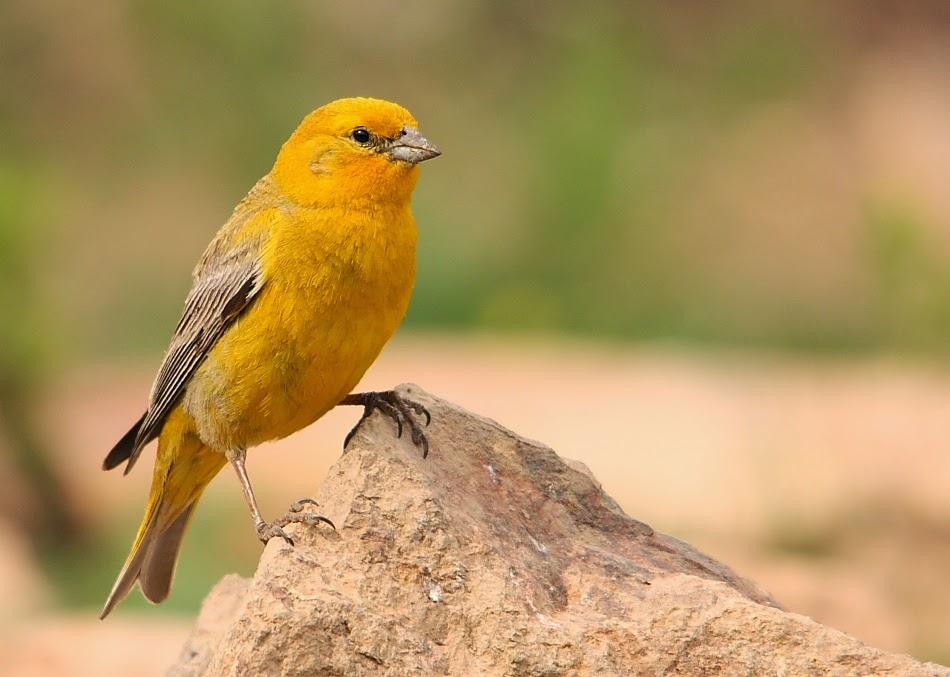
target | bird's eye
[{"x": 361, "y": 135}]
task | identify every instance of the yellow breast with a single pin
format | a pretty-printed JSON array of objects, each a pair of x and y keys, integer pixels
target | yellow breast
[{"x": 336, "y": 286}]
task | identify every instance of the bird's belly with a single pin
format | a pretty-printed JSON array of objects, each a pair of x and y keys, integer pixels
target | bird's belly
[{"x": 291, "y": 358}]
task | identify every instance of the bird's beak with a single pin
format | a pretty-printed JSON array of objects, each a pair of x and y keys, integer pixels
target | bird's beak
[{"x": 412, "y": 147}]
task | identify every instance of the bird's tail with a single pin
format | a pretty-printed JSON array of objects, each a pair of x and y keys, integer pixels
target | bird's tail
[{"x": 183, "y": 468}]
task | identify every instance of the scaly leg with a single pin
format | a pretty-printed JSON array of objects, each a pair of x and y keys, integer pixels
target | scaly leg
[
  {"x": 402, "y": 411},
  {"x": 267, "y": 530}
]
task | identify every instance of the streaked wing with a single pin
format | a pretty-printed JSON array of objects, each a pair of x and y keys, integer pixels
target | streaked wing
[
  {"x": 222, "y": 290},
  {"x": 227, "y": 279}
]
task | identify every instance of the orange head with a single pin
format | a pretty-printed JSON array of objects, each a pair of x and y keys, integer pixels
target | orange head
[{"x": 352, "y": 151}]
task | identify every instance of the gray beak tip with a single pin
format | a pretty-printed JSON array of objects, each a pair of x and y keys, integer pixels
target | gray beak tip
[{"x": 413, "y": 147}]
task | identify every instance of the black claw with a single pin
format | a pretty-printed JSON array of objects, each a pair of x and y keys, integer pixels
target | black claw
[
  {"x": 419, "y": 409},
  {"x": 297, "y": 516},
  {"x": 306, "y": 518},
  {"x": 400, "y": 410},
  {"x": 265, "y": 532},
  {"x": 298, "y": 505},
  {"x": 325, "y": 520}
]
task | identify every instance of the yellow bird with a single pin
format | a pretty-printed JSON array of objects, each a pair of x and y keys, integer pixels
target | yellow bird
[{"x": 291, "y": 302}]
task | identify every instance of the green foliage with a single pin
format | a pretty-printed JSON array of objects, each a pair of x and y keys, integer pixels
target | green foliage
[
  {"x": 790, "y": 537},
  {"x": 578, "y": 145},
  {"x": 912, "y": 278},
  {"x": 22, "y": 322}
]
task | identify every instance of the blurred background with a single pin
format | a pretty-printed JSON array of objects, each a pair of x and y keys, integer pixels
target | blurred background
[{"x": 703, "y": 247}]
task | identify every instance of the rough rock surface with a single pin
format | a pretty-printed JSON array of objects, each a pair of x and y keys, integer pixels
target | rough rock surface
[{"x": 495, "y": 556}]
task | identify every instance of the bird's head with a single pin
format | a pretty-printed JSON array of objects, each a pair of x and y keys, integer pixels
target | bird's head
[{"x": 353, "y": 151}]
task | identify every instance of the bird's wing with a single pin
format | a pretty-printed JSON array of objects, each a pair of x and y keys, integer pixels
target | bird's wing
[{"x": 226, "y": 282}]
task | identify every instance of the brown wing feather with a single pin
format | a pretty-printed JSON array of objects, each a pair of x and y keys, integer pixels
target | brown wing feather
[
  {"x": 227, "y": 279},
  {"x": 212, "y": 306}
]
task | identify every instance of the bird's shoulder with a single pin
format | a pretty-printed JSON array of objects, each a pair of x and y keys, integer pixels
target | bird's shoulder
[{"x": 241, "y": 240}]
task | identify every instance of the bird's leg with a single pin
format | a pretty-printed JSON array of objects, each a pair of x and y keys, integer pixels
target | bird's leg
[
  {"x": 264, "y": 530},
  {"x": 267, "y": 530},
  {"x": 390, "y": 403}
]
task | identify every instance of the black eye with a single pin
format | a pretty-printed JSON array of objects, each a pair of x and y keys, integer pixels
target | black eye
[{"x": 361, "y": 135}]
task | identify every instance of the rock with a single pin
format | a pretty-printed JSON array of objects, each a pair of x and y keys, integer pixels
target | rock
[
  {"x": 220, "y": 608},
  {"x": 495, "y": 556}
]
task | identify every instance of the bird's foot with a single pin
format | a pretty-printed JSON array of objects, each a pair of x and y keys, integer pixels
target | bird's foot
[
  {"x": 269, "y": 530},
  {"x": 401, "y": 410}
]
